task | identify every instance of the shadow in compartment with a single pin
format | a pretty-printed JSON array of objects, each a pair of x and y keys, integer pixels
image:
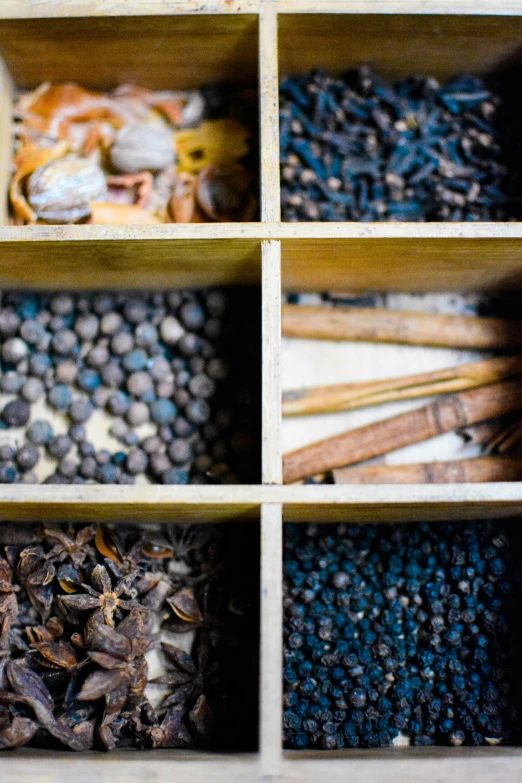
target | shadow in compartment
[
  {"x": 129, "y": 637},
  {"x": 402, "y": 634}
]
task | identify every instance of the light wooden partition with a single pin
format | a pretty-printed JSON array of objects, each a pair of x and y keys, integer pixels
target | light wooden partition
[{"x": 183, "y": 43}]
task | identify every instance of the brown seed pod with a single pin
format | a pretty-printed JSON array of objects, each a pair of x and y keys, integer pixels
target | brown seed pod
[
  {"x": 225, "y": 193},
  {"x": 60, "y": 191}
]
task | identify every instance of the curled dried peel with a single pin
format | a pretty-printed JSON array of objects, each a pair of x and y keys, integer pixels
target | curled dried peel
[
  {"x": 215, "y": 141},
  {"x": 54, "y": 107},
  {"x": 28, "y": 160},
  {"x": 106, "y": 214}
]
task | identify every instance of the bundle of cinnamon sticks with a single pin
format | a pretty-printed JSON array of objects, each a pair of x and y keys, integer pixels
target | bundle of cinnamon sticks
[{"x": 471, "y": 395}]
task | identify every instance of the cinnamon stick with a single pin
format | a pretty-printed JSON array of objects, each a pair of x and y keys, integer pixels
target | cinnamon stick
[
  {"x": 349, "y": 396},
  {"x": 372, "y": 440},
  {"x": 459, "y": 471},
  {"x": 409, "y": 328}
]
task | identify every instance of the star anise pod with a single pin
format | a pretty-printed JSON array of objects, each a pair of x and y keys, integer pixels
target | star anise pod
[
  {"x": 123, "y": 675},
  {"x": 36, "y": 574},
  {"x": 14, "y": 730},
  {"x": 171, "y": 732},
  {"x": 68, "y": 545},
  {"x": 102, "y": 596},
  {"x": 55, "y": 653},
  {"x": 191, "y": 673},
  {"x": 28, "y": 689},
  {"x": 120, "y": 556},
  {"x": 189, "y": 615},
  {"x": 8, "y": 603}
]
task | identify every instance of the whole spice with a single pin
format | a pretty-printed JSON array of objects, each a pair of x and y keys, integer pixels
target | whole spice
[
  {"x": 349, "y": 396},
  {"x": 443, "y": 415},
  {"x": 319, "y": 322},
  {"x": 115, "y": 158},
  {"x": 450, "y": 472},
  {"x": 76, "y": 644},
  {"x": 354, "y": 147},
  {"x": 172, "y": 361},
  {"x": 401, "y": 634}
]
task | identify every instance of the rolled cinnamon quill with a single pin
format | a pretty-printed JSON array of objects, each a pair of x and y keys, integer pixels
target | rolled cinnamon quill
[
  {"x": 374, "y": 325},
  {"x": 349, "y": 396},
  {"x": 460, "y": 471},
  {"x": 443, "y": 415}
]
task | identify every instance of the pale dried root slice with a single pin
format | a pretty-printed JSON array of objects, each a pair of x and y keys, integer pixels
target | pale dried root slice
[{"x": 106, "y": 214}]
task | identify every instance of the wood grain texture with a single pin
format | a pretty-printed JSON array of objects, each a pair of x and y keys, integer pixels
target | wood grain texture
[
  {"x": 315, "y": 257},
  {"x": 401, "y": 264},
  {"x": 159, "y": 52},
  {"x": 300, "y": 503},
  {"x": 127, "y": 263},
  {"x": 398, "y": 45},
  {"x": 271, "y": 638},
  {"x": 269, "y": 108},
  {"x": 271, "y": 377}
]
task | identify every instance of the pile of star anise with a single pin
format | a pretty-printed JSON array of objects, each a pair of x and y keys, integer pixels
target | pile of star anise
[{"x": 127, "y": 637}]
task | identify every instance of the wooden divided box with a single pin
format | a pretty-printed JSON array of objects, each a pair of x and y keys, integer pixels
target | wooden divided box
[{"x": 182, "y": 44}]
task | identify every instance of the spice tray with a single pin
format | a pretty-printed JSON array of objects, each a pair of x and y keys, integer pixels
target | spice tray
[{"x": 183, "y": 44}]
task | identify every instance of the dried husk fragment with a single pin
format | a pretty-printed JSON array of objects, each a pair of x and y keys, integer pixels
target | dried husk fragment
[
  {"x": 30, "y": 159},
  {"x": 142, "y": 146},
  {"x": 61, "y": 191}
]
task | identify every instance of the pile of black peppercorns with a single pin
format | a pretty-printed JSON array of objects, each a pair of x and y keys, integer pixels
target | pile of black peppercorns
[
  {"x": 410, "y": 630},
  {"x": 182, "y": 367},
  {"x": 356, "y": 148}
]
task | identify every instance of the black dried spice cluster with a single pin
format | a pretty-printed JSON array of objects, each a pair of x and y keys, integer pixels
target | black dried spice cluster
[
  {"x": 356, "y": 148},
  {"x": 409, "y": 630},
  {"x": 176, "y": 373},
  {"x": 83, "y": 608}
]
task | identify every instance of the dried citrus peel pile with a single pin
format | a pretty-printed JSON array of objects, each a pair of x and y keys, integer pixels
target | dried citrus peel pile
[{"x": 132, "y": 156}]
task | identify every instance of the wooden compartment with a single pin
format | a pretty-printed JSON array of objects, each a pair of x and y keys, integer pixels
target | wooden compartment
[
  {"x": 397, "y": 46},
  {"x": 101, "y": 52}
]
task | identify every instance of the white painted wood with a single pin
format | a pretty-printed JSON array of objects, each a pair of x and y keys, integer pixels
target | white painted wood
[{"x": 271, "y": 639}]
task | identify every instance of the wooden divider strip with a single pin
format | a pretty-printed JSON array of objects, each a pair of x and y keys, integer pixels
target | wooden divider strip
[
  {"x": 269, "y": 109},
  {"x": 271, "y": 639},
  {"x": 271, "y": 336}
]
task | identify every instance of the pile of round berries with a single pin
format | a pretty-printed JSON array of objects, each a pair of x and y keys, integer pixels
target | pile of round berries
[
  {"x": 410, "y": 630},
  {"x": 175, "y": 374}
]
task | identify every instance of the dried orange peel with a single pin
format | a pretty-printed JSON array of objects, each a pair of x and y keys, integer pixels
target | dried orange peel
[{"x": 214, "y": 141}]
